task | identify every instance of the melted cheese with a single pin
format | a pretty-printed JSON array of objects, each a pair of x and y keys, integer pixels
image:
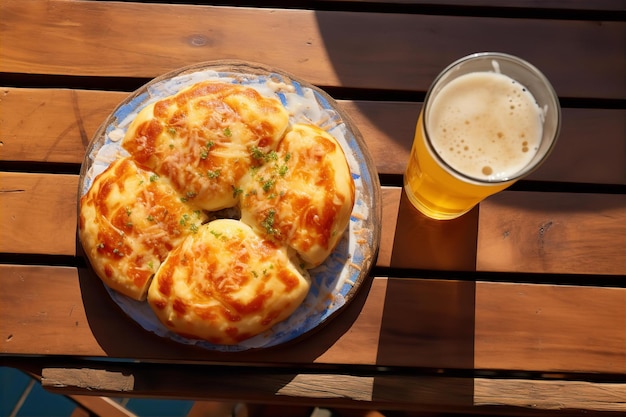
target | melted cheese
[
  {"x": 226, "y": 284},
  {"x": 302, "y": 195},
  {"x": 204, "y": 138},
  {"x": 129, "y": 221}
]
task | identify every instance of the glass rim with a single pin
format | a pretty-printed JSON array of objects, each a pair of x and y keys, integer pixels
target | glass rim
[{"x": 528, "y": 168}]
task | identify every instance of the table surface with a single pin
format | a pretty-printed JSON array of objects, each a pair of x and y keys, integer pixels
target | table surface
[{"x": 517, "y": 307}]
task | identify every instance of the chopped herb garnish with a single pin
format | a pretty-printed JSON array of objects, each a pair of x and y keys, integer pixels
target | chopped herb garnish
[
  {"x": 216, "y": 234},
  {"x": 227, "y": 132},
  {"x": 171, "y": 131},
  {"x": 193, "y": 228},
  {"x": 283, "y": 170},
  {"x": 213, "y": 174},
  {"x": 257, "y": 153},
  {"x": 271, "y": 156},
  {"x": 204, "y": 154},
  {"x": 236, "y": 191},
  {"x": 267, "y": 185},
  {"x": 150, "y": 218},
  {"x": 268, "y": 222},
  {"x": 154, "y": 177}
]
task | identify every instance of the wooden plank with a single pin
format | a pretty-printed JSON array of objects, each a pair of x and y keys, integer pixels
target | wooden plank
[
  {"x": 38, "y": 213},
  {"x": 55, "y": 125},
  {"x": 553, "y": 232},
  {"x": 550, "y": 328},
  {"x": 550, "y": 395},
  {"x": 405, "y": 53},
  {"x": 398, "y": 322},
  {"x": 515, "y": 231},
  {"x": 51, "y": 125},
  {"x": 388, "y": 391},
  {"x": 605, "y": 5}
]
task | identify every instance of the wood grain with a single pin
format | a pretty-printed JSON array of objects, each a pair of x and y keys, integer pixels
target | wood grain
[
  {"x": 55, "y": 125},
  {"x": 514, "y": 232},
  {"x": 383, "y": 391},
  {"x": 553, "y": 233},
  {"x": 520, "y": 326},
  {"x": 319, "y": 389},
  {"x": 38, "y": 213},
  {"x": 409, "y": 322},
  {"x": 550, "y": 395},
  {"x": 609, "y": 5},
  {"x": 404, "y": 53}
]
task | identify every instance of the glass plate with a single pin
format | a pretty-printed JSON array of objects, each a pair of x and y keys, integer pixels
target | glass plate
[{"x": 337, "y": 280}]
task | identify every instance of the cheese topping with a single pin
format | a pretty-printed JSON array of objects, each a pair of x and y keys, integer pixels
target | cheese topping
[
  {"x": 226, "y": 284},
  {"x": 203, "y": 138},
  {"x": 303, "y": 195},
  {"x": 216, "y": 146},
  {"x": 130, "y": 220}
]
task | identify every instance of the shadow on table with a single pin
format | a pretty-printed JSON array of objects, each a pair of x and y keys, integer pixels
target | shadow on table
[
  {"x": 428, "y": 323},
  {"x": 119, "y": 336}
]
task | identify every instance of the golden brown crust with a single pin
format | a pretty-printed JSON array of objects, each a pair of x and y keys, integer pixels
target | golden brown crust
[
  {"x": 209, "y": 147},
  {"x": 303, "y": 195},
  {"x": 226, "y": 284},
  {"x": 203, "y": 138},
  {"x": 129, "y": 221}
]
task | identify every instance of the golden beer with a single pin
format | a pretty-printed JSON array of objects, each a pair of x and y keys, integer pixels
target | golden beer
[{"x": 480, "y": 130}]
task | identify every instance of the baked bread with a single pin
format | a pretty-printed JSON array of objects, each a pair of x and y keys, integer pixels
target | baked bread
[
  {"x": 225, "y": 284},
  {"x": 148, "y": 225},
  {"x": 205, "y": 137},
  {"x": 129, "y": 221},
  {"x": 303, "y": 195}
]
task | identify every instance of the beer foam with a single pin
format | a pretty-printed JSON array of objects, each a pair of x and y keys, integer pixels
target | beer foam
[{"x": 485, "y": 125}]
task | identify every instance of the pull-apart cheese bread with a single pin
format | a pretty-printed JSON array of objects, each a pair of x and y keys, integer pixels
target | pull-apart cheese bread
[
  {"x": 226, "y": 284},
  {"x": 204, "y": 138},
  {"x": 302, "y": 195},
  {"x": 129, "y": 221},
  {"x": 213, "y": 146}
]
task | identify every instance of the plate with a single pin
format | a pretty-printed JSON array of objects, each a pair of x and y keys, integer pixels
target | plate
[{"x": 337, "y": 280}]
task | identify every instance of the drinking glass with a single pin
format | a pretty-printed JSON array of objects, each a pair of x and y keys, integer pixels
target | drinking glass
[{"x": 488, "y": 120}]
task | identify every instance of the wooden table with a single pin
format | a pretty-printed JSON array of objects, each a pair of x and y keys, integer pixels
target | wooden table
[{"x": 517, "y": 307}]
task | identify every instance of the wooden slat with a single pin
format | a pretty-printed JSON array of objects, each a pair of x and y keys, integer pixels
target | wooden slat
[
  {"x": 545, "y": 327},
  {"x": 380, "y": 391},
  {"x": 390, "y": 392},
  {"x": 528, "y": 232},
  {"x": 54, "y": 125},
  {"x": 605, "y": 5},
  {"x": 398, "y": 322},
  {"x": 405, "y": 52},
  {"x": 38, "y": 213},
  {"x": 515, "y": 231},
  {"x": 553, "y": 232},
  {"x": 51, "y": 125},
  {"x": 550, "y": 395}
]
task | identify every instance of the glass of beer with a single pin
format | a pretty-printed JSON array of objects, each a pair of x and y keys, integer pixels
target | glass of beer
[{"x": 488, "y": 120}]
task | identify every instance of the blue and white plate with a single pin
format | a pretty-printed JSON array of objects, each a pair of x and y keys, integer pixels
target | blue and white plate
[{"x": 336, "y": 281}]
